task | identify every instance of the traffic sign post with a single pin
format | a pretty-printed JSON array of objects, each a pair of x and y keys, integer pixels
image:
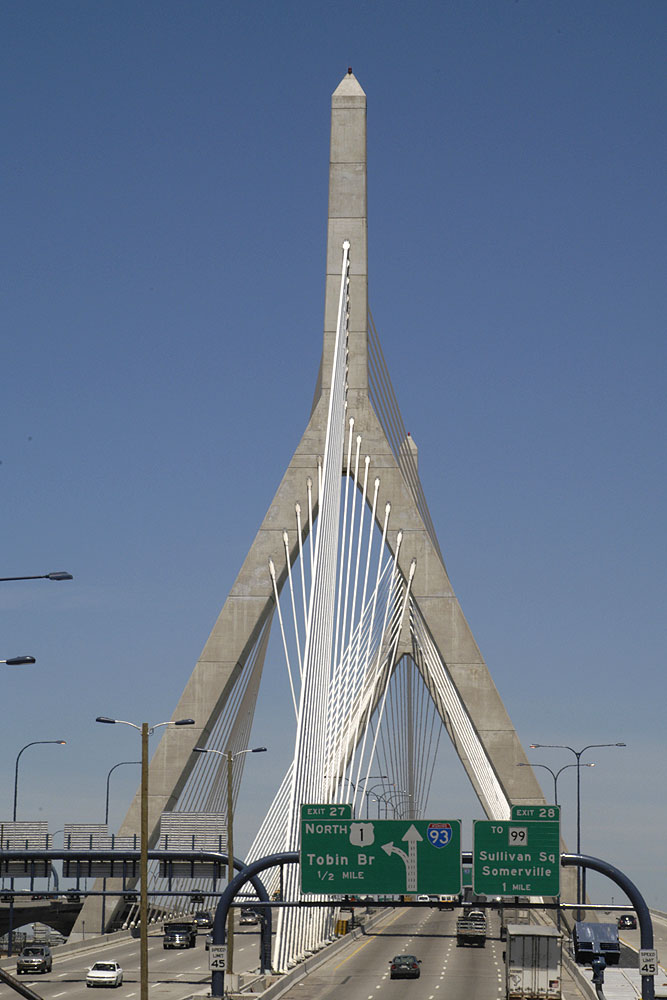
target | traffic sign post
[
  {"x": 516, "y": 858},
  {"x": 388, "y": 857}
]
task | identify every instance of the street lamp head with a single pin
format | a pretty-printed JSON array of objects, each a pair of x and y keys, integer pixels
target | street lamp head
[
  {"x": 103, "y": 718},
  {"x": 199, "y": 750},
  {"x": 258, "y": 750},
  {"x": 184, "y": 722},
  {"x": 18, "y": 661},
  {"x": 60, "y": 575},
  {"x": 61, "y": 742}
]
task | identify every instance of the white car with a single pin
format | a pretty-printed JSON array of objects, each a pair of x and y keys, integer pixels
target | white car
[{"x": 105, "y": 974}]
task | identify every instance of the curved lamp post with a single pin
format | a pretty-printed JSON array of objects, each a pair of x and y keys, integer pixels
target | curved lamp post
[
  {"x": 16, "y": 769},
  {"x": 145, "y": 731},
  {"x": 365, "y": 781},
  {"x": 119, "y": 764},
  {"x": 386, "y": 798},
  {"x": 367, "y": 792},
  {"x": 10, "y": 932},
  {"x": 554, "y": 774},
  {"x": 106, "y": 823},
  {"x": 230, "y": 758},
  {"x": 581, "y": 876},
  {"x": 402, "y": 795}
]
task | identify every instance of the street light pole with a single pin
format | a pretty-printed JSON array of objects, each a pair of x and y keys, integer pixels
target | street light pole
[
  {"x": 145, "y": 730},
  {"x": 143, "y": 867},
  {"x": 555, "y": 775},
  {"x": 10, "y": 931},
  {"x": 119, "y": 764},
  {"x": 106, "y": 823},
  {"x": 230, "y": 856},
  {"x": 581, "y": 873},
  {"x": 16, "y": 769},
  {"x": 370, "y": 777},
  {"x": 230, "y": 757},
  {"x": 367, "y": 791},
  {"x": 389, "y": 795},
  {"x": 403, "y": 794}
]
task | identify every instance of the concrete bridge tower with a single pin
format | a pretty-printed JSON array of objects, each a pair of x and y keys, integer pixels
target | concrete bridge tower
[{"x": 437, "y": 637}]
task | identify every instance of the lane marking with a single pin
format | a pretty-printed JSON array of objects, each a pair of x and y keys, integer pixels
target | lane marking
[{"x": 368, "y": 941}]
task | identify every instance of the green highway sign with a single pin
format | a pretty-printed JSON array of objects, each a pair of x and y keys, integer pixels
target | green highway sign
[
  {"x": 329, "y": 810},
  {"x": 516, "y": 857},
  {"x": 536, "y": 812},
  {"x": 386, "y": 856}
]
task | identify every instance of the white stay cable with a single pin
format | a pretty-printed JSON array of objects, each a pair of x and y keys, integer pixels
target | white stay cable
[
  {"x": 291, "y": 590},
  {"x": 373, "y": 672},
  {"x": 297, "y": 509},
  {"x": 341, "y": 568},
  {"x": 394, "y": 648},
  {"x": 272, "y": 571}
]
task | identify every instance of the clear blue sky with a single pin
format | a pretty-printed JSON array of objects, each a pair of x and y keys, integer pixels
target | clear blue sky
[{"x": 164, "y": 207}]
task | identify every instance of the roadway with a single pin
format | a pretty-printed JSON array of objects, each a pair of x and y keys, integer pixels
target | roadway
[
  {"x": 172, "y": 974},
  {"x": 361, "y": 971}
]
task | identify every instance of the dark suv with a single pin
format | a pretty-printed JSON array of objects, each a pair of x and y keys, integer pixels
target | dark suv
[
  {"x": 34, "y": 958},
  {"x": 203, "y": 919}
]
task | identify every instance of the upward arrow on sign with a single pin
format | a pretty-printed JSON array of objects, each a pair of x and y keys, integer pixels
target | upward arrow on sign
[{"x": 412, "y": 835}]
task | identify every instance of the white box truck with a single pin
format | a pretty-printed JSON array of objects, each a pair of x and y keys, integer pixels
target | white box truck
[{"x": 533, "y": 962}]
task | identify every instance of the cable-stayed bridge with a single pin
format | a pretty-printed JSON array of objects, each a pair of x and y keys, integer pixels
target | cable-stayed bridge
[{"x": 380, "y": 663}]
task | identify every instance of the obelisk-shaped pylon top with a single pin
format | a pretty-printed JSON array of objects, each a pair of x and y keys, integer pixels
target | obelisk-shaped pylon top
[
  {"x": 347, "y": 221},
  {"x": 349, "y": 86}
]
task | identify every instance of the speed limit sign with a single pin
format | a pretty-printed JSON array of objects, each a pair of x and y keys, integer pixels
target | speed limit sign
[
  {"x": 648, "y": 962},
  {"x": 217, "y": 957}
]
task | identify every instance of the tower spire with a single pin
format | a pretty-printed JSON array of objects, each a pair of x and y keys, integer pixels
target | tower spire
[{"x": 347, "y": 221}]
